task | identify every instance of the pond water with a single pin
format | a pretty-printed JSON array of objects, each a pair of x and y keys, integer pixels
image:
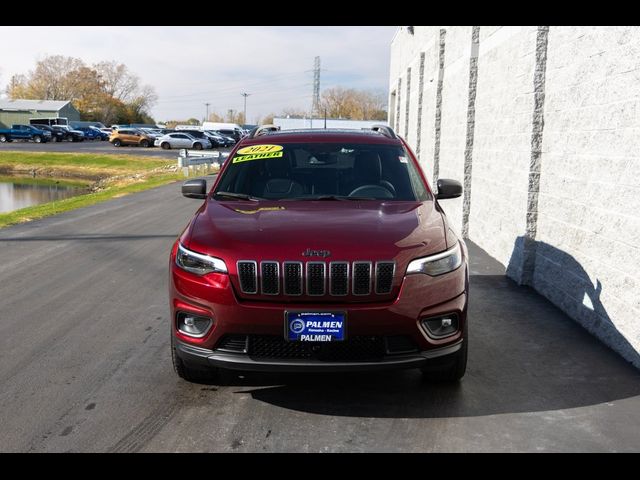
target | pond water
[{"x": 16, "y": 193}]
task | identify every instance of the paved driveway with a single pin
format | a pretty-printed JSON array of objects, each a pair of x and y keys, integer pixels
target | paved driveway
[{"x": 85, "y": 362}]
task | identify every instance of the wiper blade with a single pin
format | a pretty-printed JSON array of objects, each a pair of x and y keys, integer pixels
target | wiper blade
[
  {"x": 330, "y": 197},
  {"x": 237, "y": 196}
]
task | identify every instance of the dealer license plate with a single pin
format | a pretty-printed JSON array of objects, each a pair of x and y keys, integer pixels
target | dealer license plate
[{"x": 314, "y": 326}]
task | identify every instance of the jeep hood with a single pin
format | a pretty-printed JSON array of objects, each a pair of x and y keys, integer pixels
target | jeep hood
[{"x": 349, "y": 230}]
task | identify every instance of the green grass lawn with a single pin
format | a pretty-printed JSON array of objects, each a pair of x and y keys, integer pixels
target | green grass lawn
[
  {"x": 76, "y": 164},
  {"x": 118, "y": 175}
]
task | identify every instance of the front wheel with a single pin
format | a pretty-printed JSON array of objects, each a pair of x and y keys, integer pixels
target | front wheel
[
  {"x": 3, "y": 139},
  {"x": 37, "y": 139},
  {"x": 144, "y": 143},
  {"x": 117, "y": 143},
  {"x": 197, "y": 146},
  {"x": 189, "y": 373},
  {"x": 54, "y": 139},
  {"x": 165, "y": 146},
  {"x": 448, "y": 369}
]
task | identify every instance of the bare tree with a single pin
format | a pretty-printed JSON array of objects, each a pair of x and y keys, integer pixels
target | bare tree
[
  {"x": 353, "y": 104},
  {"x": 118, "y": 81}
]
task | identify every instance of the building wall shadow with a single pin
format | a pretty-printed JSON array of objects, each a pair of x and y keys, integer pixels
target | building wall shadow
[{"x": 560, "y": 278}]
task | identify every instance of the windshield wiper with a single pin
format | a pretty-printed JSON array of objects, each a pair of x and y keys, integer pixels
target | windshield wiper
[
  {"x": 330, "y": 197},
  {"x": 237, "y": 196}
]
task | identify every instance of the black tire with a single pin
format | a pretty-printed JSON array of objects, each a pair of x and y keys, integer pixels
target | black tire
[
  {"x": 189, "y": 373},
  {"x": 165, "y": 146},
  {"x": 447, "y": 369},
  {"x": 144, "y": 143},
  {"x": 197, "y": 146},
  {"x": 37, "y": 139},
  {"x": 54, "y": 139},
  {"x": 117, "y": 142},
  {"x": 4, "y": 138}
]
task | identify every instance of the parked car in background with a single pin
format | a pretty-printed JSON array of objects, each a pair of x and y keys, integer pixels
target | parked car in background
[
  {"x": 106, "y": 131},
  {"x": 182, "y": 140},
  {"x": 103, "y": 135},
  {"x": 56, "y": 135},
  {"x": 199, "y": 134},
  {"x": 24, "y": 132},
  {"x": 124, "y": 136},
  {"x": 221, "y": 140},
  {"x": 154, "y": 133},
  {"x": 235, "y": 134},
  {"x": 93, "y": 133},
  {"x": 69, "y": 133}
]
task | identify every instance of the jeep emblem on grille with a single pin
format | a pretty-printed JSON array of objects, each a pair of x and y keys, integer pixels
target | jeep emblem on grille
[{"x": 316, "y": 253}]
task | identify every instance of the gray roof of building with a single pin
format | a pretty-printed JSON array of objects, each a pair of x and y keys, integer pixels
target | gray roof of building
[{"x": 45, "y": 105}]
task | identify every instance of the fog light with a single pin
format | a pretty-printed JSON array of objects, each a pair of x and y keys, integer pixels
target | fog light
[
  {"x": 193, "y": 325},
  {"x": 443, "y": 326}
]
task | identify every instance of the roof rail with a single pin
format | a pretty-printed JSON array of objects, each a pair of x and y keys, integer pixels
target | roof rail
[
  {"x": 263, "y": 130},
  {"x": 385, "y": 130}
]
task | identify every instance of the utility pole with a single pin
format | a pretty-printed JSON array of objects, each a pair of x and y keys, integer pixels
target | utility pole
[
  {"x": 207, "y": 117},
  {"x": 245, "y": 95},
  {"x": 315, "y": 106}
]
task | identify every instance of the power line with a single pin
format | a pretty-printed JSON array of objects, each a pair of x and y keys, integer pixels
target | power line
[
  {"x": 231, "y": 88},
  {"x": 218, "y": 97}
]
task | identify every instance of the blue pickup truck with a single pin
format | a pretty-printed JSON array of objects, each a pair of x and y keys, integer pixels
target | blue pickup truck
[{"x": 24, "y": 132}]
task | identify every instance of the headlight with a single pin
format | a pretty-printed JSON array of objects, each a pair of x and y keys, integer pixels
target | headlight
[
  {"x": 438, "y": 264},
  {"x": 198, "y": 263}
]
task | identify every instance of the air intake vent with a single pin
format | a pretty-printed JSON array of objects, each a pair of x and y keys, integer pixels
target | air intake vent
[
  {"x": 269, "y": 278},
  {"x": 338, "y": 278},
  {"x": 233, "y": 343},
  {"x": 315, "y": 278},
  {"x": 248, "y": 276},
  {"x": 361, "y": 278},
  {"x": 293, "y": 278},
  {"x": 384, "y": 277}
]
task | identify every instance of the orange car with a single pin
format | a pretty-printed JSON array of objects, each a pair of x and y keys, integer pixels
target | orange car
[{"x": 130, "y": 137}]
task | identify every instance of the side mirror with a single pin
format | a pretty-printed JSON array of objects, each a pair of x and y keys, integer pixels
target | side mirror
[
  {"x": 448, "y": 189},
  {"x": 195, "y": 189}
]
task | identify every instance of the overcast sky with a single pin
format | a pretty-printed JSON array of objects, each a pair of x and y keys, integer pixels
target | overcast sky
[{"x": 189, "y": 66}]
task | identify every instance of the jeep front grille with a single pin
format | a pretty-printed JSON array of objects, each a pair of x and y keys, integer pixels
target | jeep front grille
[
  {"x": 316, "y": 278},
  {"x": 248, "y": 276},
  {"x": 270, "y": 278},
  {"x": 361, "y": 278}
]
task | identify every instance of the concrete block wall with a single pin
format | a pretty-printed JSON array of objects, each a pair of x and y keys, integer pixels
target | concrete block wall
[
  {"x": 542, "y": 124},
  {"x": 453, "y": 127},
  {"x": 502, "y": 144},
  {"x": 588, "y": 224}
]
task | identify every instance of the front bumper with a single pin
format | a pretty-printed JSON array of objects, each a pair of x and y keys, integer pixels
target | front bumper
[
  {"x": 233, "y": 361},
  {"x": 419, "y": 297}
]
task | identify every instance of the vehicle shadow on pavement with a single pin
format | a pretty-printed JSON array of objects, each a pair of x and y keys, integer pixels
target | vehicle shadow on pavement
[{"x": 525, "y": 356}]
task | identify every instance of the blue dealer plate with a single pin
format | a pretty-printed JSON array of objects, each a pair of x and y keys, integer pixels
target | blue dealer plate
[{"x": 314, "y": 326}]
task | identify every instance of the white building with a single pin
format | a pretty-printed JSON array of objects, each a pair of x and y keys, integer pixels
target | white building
[{"x": 540, "y": 124}]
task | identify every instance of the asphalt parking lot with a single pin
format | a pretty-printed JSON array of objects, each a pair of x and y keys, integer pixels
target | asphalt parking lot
[
  {"x": 85, "y": 362},
  {"x": 89, "y": 146}
]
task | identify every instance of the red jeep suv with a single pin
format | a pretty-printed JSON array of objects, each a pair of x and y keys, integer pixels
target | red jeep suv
[{"x": 316, "y": 251}]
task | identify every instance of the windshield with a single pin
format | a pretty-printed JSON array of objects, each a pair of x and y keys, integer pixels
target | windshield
[{"x": 322, "y": 171}]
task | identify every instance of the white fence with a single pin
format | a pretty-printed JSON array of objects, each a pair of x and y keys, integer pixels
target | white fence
[{"x": 198, "y": 162}]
